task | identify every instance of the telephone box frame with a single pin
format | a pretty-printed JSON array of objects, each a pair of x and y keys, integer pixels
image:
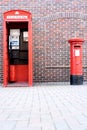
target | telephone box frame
[{"x": 17, "y": 16}]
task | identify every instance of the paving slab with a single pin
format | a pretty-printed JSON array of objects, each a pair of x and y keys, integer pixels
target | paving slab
[{"x": 43, "y": 107}]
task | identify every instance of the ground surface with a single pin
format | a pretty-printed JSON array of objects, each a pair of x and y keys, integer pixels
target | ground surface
[{"x": 43, "y": 107}]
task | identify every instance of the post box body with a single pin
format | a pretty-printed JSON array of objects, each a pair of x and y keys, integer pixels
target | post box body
[{"x": 76, "y": 72}]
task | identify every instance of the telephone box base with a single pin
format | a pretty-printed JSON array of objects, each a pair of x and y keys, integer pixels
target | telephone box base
[{"x": 76, "y": 79}]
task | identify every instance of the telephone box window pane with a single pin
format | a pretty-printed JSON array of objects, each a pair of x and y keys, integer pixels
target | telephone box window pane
[
  {"x": 25, "y": 36},
  {"x": 14, "y": 32}
]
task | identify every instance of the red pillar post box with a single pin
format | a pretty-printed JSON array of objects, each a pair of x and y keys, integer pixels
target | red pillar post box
[{"x": 76, "y": 74}]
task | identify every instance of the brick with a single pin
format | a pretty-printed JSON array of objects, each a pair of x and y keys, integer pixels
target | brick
[{"x": 54, "y": 22}]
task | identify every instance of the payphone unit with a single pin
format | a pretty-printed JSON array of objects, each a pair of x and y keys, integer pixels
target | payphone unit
[{"x": 14, "y": 38}]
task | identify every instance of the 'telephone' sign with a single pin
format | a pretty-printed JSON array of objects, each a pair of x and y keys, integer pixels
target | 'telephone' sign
[{"x": 17, "y": 17}]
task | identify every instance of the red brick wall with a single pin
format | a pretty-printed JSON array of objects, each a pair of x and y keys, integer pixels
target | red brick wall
[{"x": 54, "y": 22}]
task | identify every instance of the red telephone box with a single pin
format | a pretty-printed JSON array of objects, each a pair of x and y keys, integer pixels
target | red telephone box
[
  {"x": 17, "y": 47},
  {"x": 76, "y": 74}
]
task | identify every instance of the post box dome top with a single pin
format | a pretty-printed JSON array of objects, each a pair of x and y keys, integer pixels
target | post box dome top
[
  {"x": 17, "y": 15},
  {"x": 76, "y": 40}
]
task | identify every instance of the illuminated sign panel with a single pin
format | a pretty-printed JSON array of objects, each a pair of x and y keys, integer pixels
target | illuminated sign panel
[{"x": 17, "y": 17}]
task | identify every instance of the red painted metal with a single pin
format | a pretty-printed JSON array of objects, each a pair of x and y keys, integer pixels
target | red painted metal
[
  {"x": 17, "y": 16},
  {"x": 5, "y": 56},
  {"x": 30, "y": 52},
  {"x": 76, "y": 56},
  {"x": 12, "y": 73},
  {"x": 21, "y": 73},
  {"x": 18, "y": 73}
]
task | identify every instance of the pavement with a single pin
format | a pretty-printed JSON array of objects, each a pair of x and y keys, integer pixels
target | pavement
[{"x": 43, "y": 107}]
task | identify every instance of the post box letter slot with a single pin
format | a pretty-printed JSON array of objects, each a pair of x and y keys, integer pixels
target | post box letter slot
[{"x": 77, "y": 46}]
